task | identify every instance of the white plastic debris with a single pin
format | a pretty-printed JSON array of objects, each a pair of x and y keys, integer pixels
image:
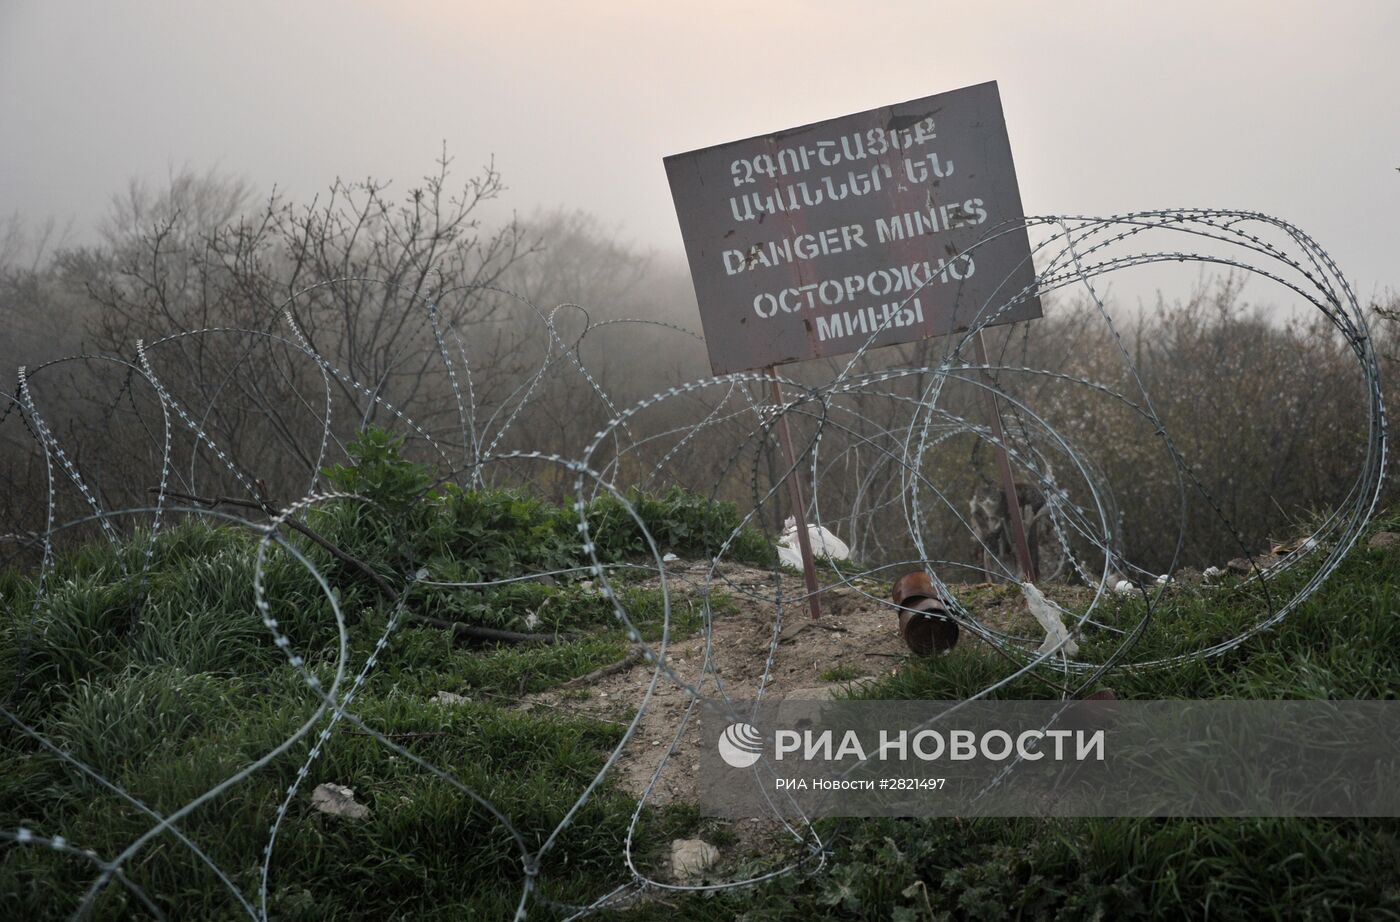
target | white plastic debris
[
  {"x": 1163, "y": 579},
  {"x": 825, "y": 545},
  {"x": 1056, "y": 635},
  {"x": 532, "y": 621},
  {"x": 1123, "y": 587},
  {"x": 338, "y": 800},
  {"x": 669, "y": 558},
  {"x": 1212, "y": 573},
  {"x": 790, "y": 556},
  {"x": 448, "y": 699}
]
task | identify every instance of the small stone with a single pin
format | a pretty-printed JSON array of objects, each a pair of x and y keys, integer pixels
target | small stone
[
  {"x": 791, "y": 628},
  {"x": 691, "y": 857},
  {"x": 1383, "y": 540},
  {"x": 448, "y": 699},
  {"x": 338, "y": 800}
]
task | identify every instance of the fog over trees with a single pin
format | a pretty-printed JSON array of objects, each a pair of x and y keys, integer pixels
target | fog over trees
[{"x": 234, "y": 293}]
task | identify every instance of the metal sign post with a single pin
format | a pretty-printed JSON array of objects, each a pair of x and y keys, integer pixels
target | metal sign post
[
  {"x": 1008, "y": 479},
  {"x": 799, "y": 514}
]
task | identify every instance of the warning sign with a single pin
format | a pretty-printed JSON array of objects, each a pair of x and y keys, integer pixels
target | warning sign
[{"x": 900, "y": 223}]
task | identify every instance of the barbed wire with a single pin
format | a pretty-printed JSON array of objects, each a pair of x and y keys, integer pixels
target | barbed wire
[{"x": 879, "y": 470}]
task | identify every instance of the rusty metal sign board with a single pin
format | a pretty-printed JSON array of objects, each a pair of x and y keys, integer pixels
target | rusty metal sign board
[{"x": 806, "y": 242}]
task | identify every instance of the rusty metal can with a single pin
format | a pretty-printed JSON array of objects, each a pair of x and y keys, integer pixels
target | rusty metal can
[{"x": 923, "y": 620}]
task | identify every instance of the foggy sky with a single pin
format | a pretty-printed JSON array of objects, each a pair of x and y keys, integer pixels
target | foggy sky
[{"x": 1287, "y": 108}]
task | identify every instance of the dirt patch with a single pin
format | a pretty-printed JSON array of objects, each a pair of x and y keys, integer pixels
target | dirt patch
[{"x": 855, "y": 642}]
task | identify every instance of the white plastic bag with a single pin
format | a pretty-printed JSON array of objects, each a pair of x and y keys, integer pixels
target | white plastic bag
[
  {"x": 825, "y": 545},
  {"x": 1056, "y": 636}
]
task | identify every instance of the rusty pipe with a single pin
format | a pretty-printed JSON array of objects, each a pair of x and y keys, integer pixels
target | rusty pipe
[{"x": 923, "y": 619}]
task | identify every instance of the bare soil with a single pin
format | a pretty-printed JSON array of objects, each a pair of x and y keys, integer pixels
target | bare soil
[{"x": 855, "y": 642}]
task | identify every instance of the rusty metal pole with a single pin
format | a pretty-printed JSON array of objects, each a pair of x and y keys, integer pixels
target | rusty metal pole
[
  {"x": 799, "y": 515},
  {"x": 1008, "y": 479}
]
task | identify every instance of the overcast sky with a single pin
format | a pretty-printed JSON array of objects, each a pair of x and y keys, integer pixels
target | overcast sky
[{"x": 1288, "y": 108}]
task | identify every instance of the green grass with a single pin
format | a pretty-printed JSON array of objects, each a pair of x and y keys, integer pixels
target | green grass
[
  {"x": 165, "y": 681},
  {"x": 841, "y": 674},
  {"x": 167, "y": 694},
  {"x": 168, "y": 683}
]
